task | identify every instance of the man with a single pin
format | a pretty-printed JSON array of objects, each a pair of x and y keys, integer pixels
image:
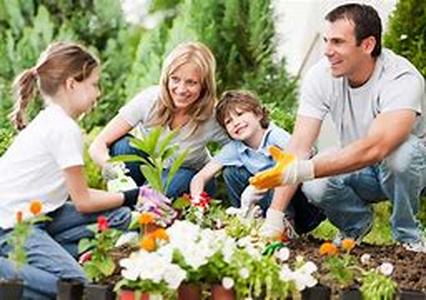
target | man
[{"x": 376, "y": 101}]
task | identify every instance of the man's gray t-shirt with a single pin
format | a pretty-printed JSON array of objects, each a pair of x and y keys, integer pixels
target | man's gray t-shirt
[
  {"x": 139, "y": 110},
  {"x": 394, "y": 85}
]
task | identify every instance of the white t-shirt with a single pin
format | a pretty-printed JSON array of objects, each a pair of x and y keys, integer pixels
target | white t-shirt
[
  {"x": 32, "y": 167},
  {"x": 139, "y": 111},
  {"x": 395, "y": 84}
]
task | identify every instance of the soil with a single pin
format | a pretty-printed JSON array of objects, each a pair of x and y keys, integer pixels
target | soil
[{"x": 409, "y": 267}]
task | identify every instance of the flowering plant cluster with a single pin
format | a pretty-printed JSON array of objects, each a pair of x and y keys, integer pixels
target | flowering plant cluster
[
  {"x": 152, "y": 236},
  {"x": 95, "y": 258},
  {"x": 18, "y": 236},
  {"x": 376, "y": 283},
  {"x": 202, "y": 210}
]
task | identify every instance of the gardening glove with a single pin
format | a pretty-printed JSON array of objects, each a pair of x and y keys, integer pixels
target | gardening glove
[
  {"x": 112, "y": 170},
  {"x": 249, "y": 198},
  {"x": 131, "y": 197},
  {"x": 276, "y": 225},
  {"x": 287, "y": 170}
]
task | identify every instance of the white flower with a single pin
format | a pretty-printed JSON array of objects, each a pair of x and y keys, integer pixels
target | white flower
[
  {"x": 403, "y": 37},
  {"x": 227, "y": 282},
  {"x": 174, "y": 275},
  {"x": 386, "y": 269},
  {"x": 283, "y": 254},
  {"x": 365, "y": 258},
  {"x": 244, "y": 273}
]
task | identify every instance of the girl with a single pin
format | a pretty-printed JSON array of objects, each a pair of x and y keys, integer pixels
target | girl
[
  {"x": 45, "y": 162},
  {"x": 184, "y": 100}
]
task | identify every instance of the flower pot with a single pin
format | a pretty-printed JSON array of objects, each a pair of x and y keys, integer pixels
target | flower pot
[
  {"x": 318, "y": 292},
  {"x": 351, "y": 294},
  {"x": 411, "y": 295},
  {"x": 98, "y": 292},
  {"x": 11, "y": 289},
  {"x": 218, "y": 292},
  {"x": 136, "y": 295},
  {"x": 189, "y": 291},
  {"x": 69, "y": 289}
]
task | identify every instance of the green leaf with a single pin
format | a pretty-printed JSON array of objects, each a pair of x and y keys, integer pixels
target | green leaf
[
  {"x": 85, "y": 245},
  {"x": 127, "y": 158},
  {"x": 177, "y": 163},
  {"x": 153, "y": 178}
]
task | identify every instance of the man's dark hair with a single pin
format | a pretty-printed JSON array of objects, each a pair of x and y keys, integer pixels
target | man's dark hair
[{"x": 366, "y": 20}]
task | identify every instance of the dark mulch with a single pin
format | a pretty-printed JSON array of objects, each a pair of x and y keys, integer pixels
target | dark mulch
[{"x": 409, "y": 267}]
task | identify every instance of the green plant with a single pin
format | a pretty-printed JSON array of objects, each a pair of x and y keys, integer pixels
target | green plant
[
  {"x": 159, "y": 152},
  {"x": 22, "y": 229},
  {"x": 342, "y": 266},
  {"x": 97, "y": 262},
  {"x": 6, "y": 138},
  {"x": 377, "y": 286},
  {"x": 406, "y": 34}
]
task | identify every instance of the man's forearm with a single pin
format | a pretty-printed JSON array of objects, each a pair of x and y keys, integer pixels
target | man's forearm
[{"x": 282, "y": 197}]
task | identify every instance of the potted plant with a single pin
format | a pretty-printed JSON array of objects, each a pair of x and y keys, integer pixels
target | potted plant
[
  {"x": 96, "y": 261},
  {"x": 13, "y": 288}
]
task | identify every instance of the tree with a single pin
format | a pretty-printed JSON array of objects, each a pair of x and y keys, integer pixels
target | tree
[{"x": 407, "y": 32}]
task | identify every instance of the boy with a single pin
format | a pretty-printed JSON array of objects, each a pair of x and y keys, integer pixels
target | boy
[{"x": 247, "y": 123}]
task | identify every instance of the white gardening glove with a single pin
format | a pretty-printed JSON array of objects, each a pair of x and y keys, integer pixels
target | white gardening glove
[
  {"x": 287, "y": 170},
  {"x": 250, "y": 197},
  {"x": 113, "y": 170},
  {"x": 298, "y": 171},
  {"x": 273, "y": 226},
  {"x": 276, "y": 224}
]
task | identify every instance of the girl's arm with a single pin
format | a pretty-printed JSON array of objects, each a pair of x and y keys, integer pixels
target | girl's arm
[
  {"x": 88, "y": 200},
  {"x": 114, "y": 130},
  {"x": 200, "y": 179}
]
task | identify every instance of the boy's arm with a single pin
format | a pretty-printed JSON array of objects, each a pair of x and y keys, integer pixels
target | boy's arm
[{"x": 200, "y": 179}]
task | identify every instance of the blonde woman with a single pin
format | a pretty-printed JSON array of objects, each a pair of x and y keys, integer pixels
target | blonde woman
[{"x": 184, "y": 101}]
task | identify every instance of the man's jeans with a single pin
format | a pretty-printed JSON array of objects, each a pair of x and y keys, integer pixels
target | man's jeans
[
  {"x": 400, "y": 178},
  {"x": 180, "y": 182},
  {"x": 306, "y": 216},
  {"x": 50, "y": 249}
]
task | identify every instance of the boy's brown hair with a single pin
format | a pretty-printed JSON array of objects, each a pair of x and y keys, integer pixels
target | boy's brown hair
[{"x": 243, "y": 100}]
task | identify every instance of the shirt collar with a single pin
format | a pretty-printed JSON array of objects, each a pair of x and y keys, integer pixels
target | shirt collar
[{"x": 241, "y": 148}]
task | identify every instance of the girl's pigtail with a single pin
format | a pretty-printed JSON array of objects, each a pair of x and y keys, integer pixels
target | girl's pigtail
[{"x": 24, "y": 91}]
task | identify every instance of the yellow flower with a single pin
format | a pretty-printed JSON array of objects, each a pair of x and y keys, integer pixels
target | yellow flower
[
  {"x": 146, "y": 218},
  {"x": 35, "y": 207},
  {"x": 160, "y": 234},
  {"x": 328, "y": 248},
  {"x": 348, "y": 244},
  {"x": 147, "y": 243}
]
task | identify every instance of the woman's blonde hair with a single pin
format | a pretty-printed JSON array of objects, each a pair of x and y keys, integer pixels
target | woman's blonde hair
[
  {"x": 57, "y": 63},
  {"x": 200, "y": 56}
]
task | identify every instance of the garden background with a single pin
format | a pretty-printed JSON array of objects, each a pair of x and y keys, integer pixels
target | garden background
[{"x": 132, "y": 46}]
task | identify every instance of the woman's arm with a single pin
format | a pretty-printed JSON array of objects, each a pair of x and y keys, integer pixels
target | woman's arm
[
  {"x": 88, "y": 200},
  {"x": 114, "y": 130},
  {"x": 200, "y": 179}
]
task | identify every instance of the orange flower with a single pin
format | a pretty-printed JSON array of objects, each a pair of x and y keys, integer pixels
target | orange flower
[
  {"x": 147, "y": 243},
  {"x": 348, "y": 244},
  {"x": 19, "y": 217},
  {"x": 328, "y": 248},
  {"x": 146, "y": 218},
  {"x": 160, "y": 234},
  {"x": 35, "y": 207}
]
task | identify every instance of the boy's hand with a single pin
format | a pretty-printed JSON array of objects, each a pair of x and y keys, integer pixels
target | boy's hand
[
  {"x": 250, "y": 197},
  {"x": 288, "y": 170}
]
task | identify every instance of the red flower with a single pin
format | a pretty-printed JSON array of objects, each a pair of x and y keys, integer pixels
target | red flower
[
  {"x": 102, "y": 223},
  {"x": 86, "y": 256}
]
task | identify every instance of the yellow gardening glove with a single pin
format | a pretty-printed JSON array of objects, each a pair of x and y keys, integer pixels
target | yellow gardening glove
[{"x": 288, "y": 170}]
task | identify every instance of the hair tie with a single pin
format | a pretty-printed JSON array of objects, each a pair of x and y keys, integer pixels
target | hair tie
[{"x": 34, "y": 72}]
